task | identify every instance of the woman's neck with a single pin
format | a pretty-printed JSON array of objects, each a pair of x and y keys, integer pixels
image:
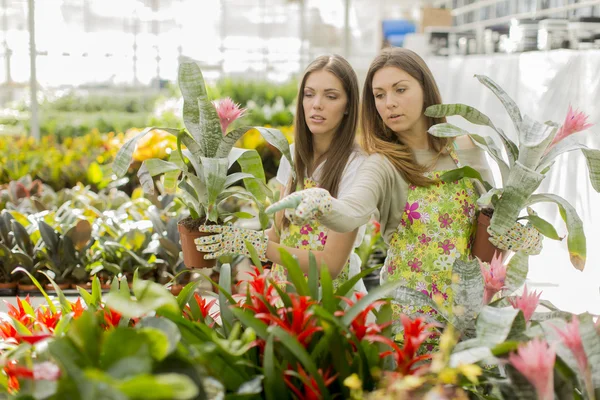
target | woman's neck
[
  {"x": 416, "y": 137},
  {"x": 321, "y": 145}
]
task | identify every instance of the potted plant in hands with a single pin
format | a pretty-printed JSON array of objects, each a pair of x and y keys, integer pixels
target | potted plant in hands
[
  {"x": 526, "y": 166},
  {"x": 198, "y": 172}
]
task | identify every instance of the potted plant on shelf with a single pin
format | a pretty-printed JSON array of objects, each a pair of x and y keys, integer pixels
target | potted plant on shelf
[
  {"x": 197, "y": 169},
  {"x": 527, "y": 164}
]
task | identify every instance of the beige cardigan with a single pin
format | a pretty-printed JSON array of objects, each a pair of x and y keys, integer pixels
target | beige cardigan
[{"x": 381, "y": 191}]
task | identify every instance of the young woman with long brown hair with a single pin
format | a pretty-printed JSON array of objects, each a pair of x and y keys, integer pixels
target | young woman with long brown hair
[
  {"x": 325, "y": 156},
  {"x": 427, "y": 223}
]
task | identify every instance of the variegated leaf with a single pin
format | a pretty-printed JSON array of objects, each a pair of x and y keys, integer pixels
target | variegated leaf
[
  {"x": 410, "y": 297},
  {"x": 230, "y": 139},
  {"x": 486, "y": 143},
  {"x": 190, "y": 198},
  {"x": 508, "y": 103},
  {"x": 251, "y": 163},
  {"x": 516, "y": 271},
  {"x": 236, "y": 177},
  {"x": 485, "y": 201},
  {"x": 215, "y": 174},
  {"x": 446, "y": 130},
  {"x": 593, "y": 162},
  {"x": 522, "y": 182},
  {"x": 278, "y": 140},
  {"x": 576, "y": 241},
  {"x": 468, "y": 292},
  {"x": 591, "y": 344},
  {"x": 474, "y": 116},
  {"x": 496, "y": 325},
  {"x": 564, "y": 146},
  {"x": 535, "y": 138}
]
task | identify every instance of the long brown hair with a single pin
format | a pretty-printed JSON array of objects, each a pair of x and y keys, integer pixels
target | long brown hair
[
  {"x": 378, "y": 138},
  {"x": 338, "y": 154}
]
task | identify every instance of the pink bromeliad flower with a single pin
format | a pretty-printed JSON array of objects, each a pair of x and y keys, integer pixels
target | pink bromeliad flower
[
  {"x": 527, "y": 302},
  {"x": 535, "y": 361},
  {"x": 228, "y": 112},
  {"x": 576, "y": 121},
  {"x": 494, "y": 275}
]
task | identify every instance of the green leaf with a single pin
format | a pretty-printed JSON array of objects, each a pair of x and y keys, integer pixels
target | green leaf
[
  {"x": 149, "y": 296},
  {"x": 51, "y": 305},
  {"x": 543, "y": 226},
  {"x": 468, "y": 291},
  {"x": 153, "y": 167},
  {"x": 253, "y": 255},
  {"x": 224, "y": 301},
  {"x": 593, "y": 161},
  {"x": 486, "y": 143},
  {"x": 522, "y": 182},
  {"x": 516, "y": 271},
  {"x": 374, "y": 295},
  {"x": 411, "y": 297},
  {"x": 160, "y": 386},
  {"x": 464, "y": 172},
  {"x": 347, "y": 286},
  {"x": 167, "y": 327},
  {"x": 49, "y": 236},
  {"x": 576, "y": 242},
  {"x": 215, "y": 175},
  {"x": 496, "y": 325},
  {"x": 121, "y": 345},
  {"x": 295, "y": 274},
  {"x": 22, "y": 237},
  {"x": 250, "y": 162},
  {"x": 292, "y": 344},
  {"x": 274, "y": 384},
  {"x": 591, "y": 344},
  {"x": 64, "y": 303},
  {"x": 187, "y": 293},
  {"x": 278, "y": 140},
  {"x": 236, "y": 177},
  {"x": 313, "y": 276},
  {"x": 508, "y": 103},
  {"x": 230, "y": 139},
  {"x": 328, "y": 301},
  {"x": 248, "y": 320},
  {"x": 535, "y": 138},
  {"x": 446, "y": 130}
]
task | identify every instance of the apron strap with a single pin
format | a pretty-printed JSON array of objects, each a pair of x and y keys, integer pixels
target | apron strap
[{"x": 453, "y": 155}]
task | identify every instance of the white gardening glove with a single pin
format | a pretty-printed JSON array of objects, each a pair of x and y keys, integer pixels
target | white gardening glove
[
  {"x": 231, "y": 240},
  {"x": 304, "y": 205},
  {"x": 523, "y": 238}
]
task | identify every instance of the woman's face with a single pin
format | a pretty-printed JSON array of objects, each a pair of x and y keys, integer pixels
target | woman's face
[
  {"x": 398, "y": 99},
  {"x": 324, "y": 101}
]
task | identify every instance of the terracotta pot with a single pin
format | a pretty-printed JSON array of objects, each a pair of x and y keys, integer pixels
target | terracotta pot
[
  {"x": 62, "y": 286},
  {"x": 192, "y": 258},
  {"x": 27, "y": 289},
  {"x": 8, "y": 288},
  {"x": 85, "y": 286},
  {"x": 482, "y": 248},
  {"x": 176, "y": 289}
]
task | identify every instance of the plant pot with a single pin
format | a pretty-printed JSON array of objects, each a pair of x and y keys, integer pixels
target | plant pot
[
  {"x": 192, "y": 258},
  {"x": 31, "y": 289},
  {"x": 8, "y": 288},
  {"x": 482, "y": 247},
  {"x": 50, "y": 289},
  {"x": 176, "y": 289},
  {"x": 85, "y": 286}
]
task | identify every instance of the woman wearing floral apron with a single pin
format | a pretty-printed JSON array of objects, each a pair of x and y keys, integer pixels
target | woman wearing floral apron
[
  {"x": 427, "y": 223},
  {"x": 325, "y": 156}
]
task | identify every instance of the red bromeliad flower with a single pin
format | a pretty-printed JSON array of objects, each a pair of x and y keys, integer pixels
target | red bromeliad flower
[
  {"x": 47, "y": 318},
  {"x": 111, "y": 317},
  {"x": 262, "y": 295},
  {"x": 298, "y": 320},
  {"x": 8, "y": 332},
  {"x": 415, "y": 333},
  {"x": 33, "y": 339},
  {"x": 527, "y": 302},
  {"x": 46, "y": 371},
  {"x": 309, "y": 389},
  {"x": 359, "y": 326},
  {"x": 77, "y": 308},
  {"x": 575, "y": 121},
  {"x": 204, "y": 307},
  {"x": 20, "y": 314}
]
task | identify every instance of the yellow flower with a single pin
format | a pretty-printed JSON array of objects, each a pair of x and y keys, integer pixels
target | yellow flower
[
  {"x": 448, "y": 376},
  {"x": 470, "y": 371},
  {"x": 353, "y": 382}
]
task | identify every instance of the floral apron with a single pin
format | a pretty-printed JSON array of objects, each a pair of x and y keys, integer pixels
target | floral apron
[
  {"x": 437, "y": 227},
  {"x": 310, "y": 236}
]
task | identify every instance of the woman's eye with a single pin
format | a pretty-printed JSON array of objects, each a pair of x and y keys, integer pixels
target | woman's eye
[
  {"x": 307, "y": 94},
  {"x": 401, "y": 90},
  {"x": 331, "y": 97},
  {"x": 379, "y": 96}
]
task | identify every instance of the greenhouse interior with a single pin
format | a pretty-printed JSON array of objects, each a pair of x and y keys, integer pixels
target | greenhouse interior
[{"x": 300, "y": 199}]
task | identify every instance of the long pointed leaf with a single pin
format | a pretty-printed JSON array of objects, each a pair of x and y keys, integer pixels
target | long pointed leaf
[
  {"x": 464, "y": 172},
  {"x": 230, "y": 139},
  {"x": 508, "y": 103},
  {"x": 279, "y": 141},
  {"x": 468, "y": 291},
  {"x": 225, "y": 284},
  {"x": 447, "y": 130},
  {"x": 593, "y": 162},
  {"x": 295, "y": 274},
  {"x": 576, "y": 241},
  {"x": 376, "y": 294},
  {"x": 486, "y": 143},
  {"x": 516, "y": 271},
  {"x": 313, "y": 276}
]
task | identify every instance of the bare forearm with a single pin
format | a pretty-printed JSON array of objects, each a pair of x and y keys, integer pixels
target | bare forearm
[{"x": 334, "y": 264}]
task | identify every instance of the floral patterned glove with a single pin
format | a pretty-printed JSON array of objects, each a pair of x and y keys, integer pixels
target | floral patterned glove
[
  {"x": 231, "y": 240},
  {"x": 520, "y": 237},
  {"x": 303, "y": 206}
]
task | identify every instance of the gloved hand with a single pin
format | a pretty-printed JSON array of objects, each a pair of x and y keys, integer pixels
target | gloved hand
[
  {"x": 524, "y": 238},
  {"x": 231, "y": 240},
  {"x": 304, "y": 205}
]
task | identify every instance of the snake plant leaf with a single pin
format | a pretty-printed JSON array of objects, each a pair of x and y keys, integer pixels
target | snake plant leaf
[
  {"x": 508, "y": 103},
  {"x": 522, "y": 182},
  {"x": 576, "y": 241}
]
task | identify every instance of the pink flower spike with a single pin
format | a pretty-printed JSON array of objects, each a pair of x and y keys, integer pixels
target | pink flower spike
[
  {"x": 576, "y": 121},
  {"x": 228, "y": 111},
  {"x": 571, "y": 338},
  {"x": 535, "y": 361},
  {"x": 46, "y": 371},
  {"x": 494, "y": 275},
  {"x": 527, "y": 302}
]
